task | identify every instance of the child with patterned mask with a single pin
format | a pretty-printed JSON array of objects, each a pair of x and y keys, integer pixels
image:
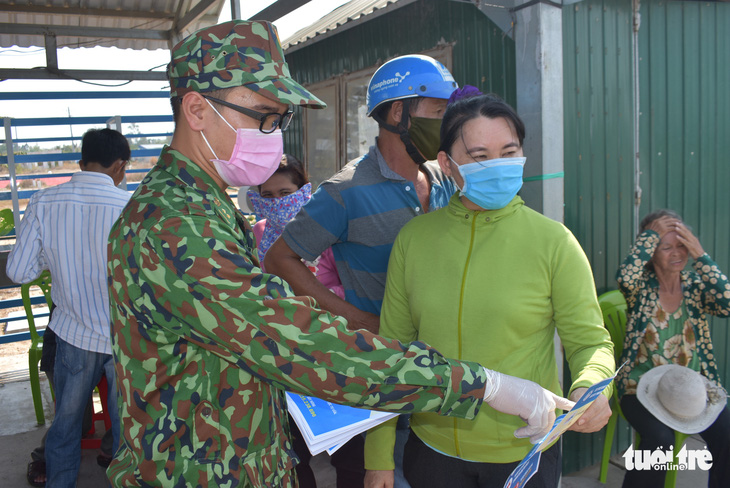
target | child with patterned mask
[{"x": 277, "y": 202}]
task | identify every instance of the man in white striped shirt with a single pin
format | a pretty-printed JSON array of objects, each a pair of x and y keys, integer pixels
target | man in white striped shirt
[{"x": 65, "y": 229}]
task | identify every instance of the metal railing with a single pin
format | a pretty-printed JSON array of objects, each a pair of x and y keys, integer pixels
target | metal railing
[{"x": 12, "y": 159}]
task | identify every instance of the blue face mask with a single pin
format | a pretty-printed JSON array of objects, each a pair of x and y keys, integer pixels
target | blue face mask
[{"x": 493, "y": 183}]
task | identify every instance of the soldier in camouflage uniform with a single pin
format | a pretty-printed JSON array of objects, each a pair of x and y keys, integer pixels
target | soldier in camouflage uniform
[{"x": 205, "y": 343}]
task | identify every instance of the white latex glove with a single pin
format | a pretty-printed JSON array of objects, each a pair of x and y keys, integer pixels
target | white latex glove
[{"x": 526, "y": 399}]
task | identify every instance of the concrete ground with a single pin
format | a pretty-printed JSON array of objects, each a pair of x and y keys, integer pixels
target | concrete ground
[
  {"x": 588, "y": 477},
  {"x": 20, "y": 434}
]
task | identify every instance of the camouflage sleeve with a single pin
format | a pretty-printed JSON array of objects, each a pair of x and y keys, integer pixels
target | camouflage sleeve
[{"x": 196, "y": 280}]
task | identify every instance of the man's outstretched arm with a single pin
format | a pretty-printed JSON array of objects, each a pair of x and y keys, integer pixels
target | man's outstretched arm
[{"x": 282, "y": 261}]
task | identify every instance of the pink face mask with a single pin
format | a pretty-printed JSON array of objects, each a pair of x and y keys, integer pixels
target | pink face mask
[{"x": 254, "y": 159}]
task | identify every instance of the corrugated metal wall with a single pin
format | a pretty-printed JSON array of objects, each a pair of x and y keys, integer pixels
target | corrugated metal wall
[
  {"x": 684, "y": 74},
  {"x": 598, "y": 159},
  {"x": 685, "y": 126},
  {"x": 482, "y": 55},
  {"x": 599, "y": 131}
]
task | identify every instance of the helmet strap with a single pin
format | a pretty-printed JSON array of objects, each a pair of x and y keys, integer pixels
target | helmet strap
[{"x": 402, "y": 130}]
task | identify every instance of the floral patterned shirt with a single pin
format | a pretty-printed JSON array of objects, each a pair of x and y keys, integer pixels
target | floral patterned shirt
[
  {"x": 669, "y": 339},
  {"x": 706, "y": 290}
]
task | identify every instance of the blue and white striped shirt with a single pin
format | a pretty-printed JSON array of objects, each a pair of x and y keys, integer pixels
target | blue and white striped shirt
[
  {"x": 65, "y": 229},
  {"x": 358, "y": 212}
]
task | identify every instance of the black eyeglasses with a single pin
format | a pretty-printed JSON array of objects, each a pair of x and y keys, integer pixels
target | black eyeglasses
[{"x": 269, "y": 122}]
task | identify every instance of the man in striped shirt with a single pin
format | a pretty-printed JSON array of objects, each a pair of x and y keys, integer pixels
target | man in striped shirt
[
  {"x": 359, "y": 211},
  {"x": 65, "y": 229}
]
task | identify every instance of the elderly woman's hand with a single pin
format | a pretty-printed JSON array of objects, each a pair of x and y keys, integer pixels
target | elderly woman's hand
[
  {"x": 689, "y": 240},
  {"x": 662, "y": 225},
  {"x": 595, "y": 417}
]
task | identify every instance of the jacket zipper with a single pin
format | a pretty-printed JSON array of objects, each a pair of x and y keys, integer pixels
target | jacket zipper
[{"x": 458, "y": 323}]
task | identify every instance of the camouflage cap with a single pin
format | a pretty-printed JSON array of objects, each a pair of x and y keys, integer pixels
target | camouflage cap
[{"x": 236, "y": 53}]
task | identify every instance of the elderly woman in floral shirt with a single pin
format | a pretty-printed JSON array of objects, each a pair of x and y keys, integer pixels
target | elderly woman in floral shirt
[{"x": 667, "y": 324}]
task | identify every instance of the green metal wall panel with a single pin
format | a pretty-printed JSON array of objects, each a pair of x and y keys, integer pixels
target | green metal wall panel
[
  {"x": 598, "y": 131},
  {"x": 482, "y": 55},
  {"x": 598, "y": 140},
  {"x": 685, "y": 126},
  {"x": 684, "y": 72}
]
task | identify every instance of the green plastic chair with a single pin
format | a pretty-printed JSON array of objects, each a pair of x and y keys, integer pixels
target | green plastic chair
[
  {"x": 671, "y": 478},
  {"x": 613, "y": 307},
  {"x": 7, "y": 221},
  {"x": 36, "y": 344}
]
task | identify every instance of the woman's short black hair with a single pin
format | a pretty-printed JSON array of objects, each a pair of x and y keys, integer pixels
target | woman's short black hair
[
  {"x": 294, "y": 168},
  {"x": 104, "y": 146},
  {"x": 463, "y": 110}
]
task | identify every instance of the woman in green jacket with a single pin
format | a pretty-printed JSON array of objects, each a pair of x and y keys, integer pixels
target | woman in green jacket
[{"x": 490, "y": 280}]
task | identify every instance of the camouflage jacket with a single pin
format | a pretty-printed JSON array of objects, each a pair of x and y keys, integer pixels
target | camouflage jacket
[{"x": 205, "y": 344}]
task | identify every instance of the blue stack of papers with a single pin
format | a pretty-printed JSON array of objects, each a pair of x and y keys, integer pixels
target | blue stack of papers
[{"x": 326, "y": 425}]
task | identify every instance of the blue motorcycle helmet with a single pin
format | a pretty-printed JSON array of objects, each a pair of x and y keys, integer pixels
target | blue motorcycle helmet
[
  {"x": 404, "y": 78},
  {"x": 410, "y": 76}
]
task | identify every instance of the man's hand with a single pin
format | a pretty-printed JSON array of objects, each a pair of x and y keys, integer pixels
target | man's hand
[
  {"x": 595, "y": 417},
  {"x": 283, "y": 262},
  {"x": 363, "y": 320},
  {"x": 379, "y": 479},
  {"x": 525, "y": 399}
]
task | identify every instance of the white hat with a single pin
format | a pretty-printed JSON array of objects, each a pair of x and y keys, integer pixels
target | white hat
[{"x": 681, "y": 398}]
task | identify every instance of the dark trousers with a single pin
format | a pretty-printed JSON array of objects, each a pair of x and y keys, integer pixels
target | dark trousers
[
  {"x": 303, "y": 469},
  {"x": 426, "y": 468},
  {"x": 348, "y": 461},
  {"x": 655, "y": 434}
]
